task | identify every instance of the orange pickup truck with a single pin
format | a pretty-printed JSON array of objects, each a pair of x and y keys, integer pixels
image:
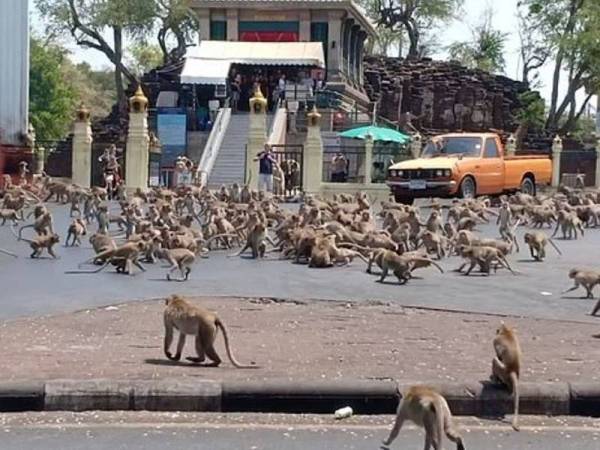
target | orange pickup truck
[{"x": 466, "y": 165}]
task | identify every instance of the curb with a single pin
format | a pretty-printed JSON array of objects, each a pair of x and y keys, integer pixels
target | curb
[{"x": 481, "y": 399}]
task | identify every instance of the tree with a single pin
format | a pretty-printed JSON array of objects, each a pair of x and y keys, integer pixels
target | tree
[
  {"x": 415, "y": 17},
  {"x": 385, "y": 38},
  {"x": 570, "y": 31},
  {"x": 52, "y": 99},
  {"x": 532, "y": 115},
  {"x": 485, "y": 50},
  {"x": 534, "y": 50},
  {"x": 176, "y": 19},
  {"x": 144, "y": 57},
  {"x": 88, "y": 21}
]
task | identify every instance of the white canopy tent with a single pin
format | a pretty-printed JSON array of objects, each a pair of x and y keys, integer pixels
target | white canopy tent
[{"x": 210, "y": 62}]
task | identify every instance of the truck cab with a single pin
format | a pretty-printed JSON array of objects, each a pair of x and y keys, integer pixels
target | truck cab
[{"x": 466, "y": 165}]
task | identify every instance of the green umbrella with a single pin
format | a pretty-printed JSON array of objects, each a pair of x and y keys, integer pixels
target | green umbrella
[{"x": 380, "y": 134}]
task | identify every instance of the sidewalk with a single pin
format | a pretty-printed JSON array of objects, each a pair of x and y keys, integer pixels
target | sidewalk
[{"x": 293, "y": 341}]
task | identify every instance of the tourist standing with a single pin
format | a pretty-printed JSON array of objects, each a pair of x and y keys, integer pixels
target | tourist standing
[
  {"x": 339, "y": 165},
  {"x": 265, "y": 169}
]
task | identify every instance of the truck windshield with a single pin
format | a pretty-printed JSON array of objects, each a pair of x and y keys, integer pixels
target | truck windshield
[{"x": 453, "y": 146}]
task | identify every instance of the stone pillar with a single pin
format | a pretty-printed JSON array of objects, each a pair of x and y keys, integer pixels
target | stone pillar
[
  {"x": 81, "y": 165},
  {"x": 347, "y": 32},
  {"x": 312, "y": 170},
  {"x": 334, "y": 51},
  {"x": 416, "y": 145},
  {"x": 232, "y": 25},
  {"x": 138, "y": 143},
  {"x": 597, "y": 181},
  {"x": 257, "y": 137},
  {"x": 557, "y": 148},
  {"x": 369, "y": 144},
  {"x": 203, "y": 24},
  {"x": 293, "y": 116},
  {"x": 360, "y": 62},
  {"x": 511, "y": 145},
  {"x": 304, "y": 29}
]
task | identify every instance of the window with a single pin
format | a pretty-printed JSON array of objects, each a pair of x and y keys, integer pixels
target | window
[
  {"x": 491, "y": 149},
  {"x": 218, "y": 30}
]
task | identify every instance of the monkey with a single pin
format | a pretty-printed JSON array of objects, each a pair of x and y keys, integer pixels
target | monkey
[
  {"x": 41, "y": 242},
  {"x": 466, "y": 223},
  {"x": 506, "y": 366},
  {"x": 450, "y": 230},
  {"x": 9, "y": 214},
  {"x": 483, "y": 256},
  {"x": 434, "y": 243},
  {"x": 42, "y": 225},
  {"x": 190, "y": 319},
  {"x": 569, "y": 223},
  {"x": 376, "y": 256},
  {"x": 537, "y": 240},
  {"x": 401, "y": 265},
  {"x": 427, "y": 408},
  {"x": 123, "y": 257},
  {"x": 102, "y": 219},
  {"x": 179, "y": 258},
  {"x": 76, "y": 230},
  {"x": 101, "y": 242},
  {"x": 434, "y": 223},
  {"x": 586, "y": 278},
  {"x": 256, "y": 241}
]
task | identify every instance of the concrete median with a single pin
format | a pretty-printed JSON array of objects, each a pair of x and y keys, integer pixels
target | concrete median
[{"x": 288, "y": 396}]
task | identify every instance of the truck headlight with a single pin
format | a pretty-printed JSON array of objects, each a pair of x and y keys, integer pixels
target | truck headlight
[
  {"x": 439, "y": 173},
  {"x": 400, "y": 173},
  {"x": 392, "y": 173},
  {"x": 447, "y": 173}
]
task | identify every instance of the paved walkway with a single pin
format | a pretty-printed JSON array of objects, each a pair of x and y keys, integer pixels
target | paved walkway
[{"x": 316, "y": 340}]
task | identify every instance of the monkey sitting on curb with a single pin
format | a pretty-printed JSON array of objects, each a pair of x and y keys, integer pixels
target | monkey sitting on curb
[
  {"x": 426, "y": 408},
  {"x": 193, "y": 320},
  {"x": 506, "y": 366}
]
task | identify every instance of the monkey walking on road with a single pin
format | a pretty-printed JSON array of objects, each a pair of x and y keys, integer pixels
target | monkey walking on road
[
  {"x": 426, "y": 408},
  {"x": 586, "y": 278},
  {"x": 193, "y": 320},
  {"x": 178, "y": 258}
]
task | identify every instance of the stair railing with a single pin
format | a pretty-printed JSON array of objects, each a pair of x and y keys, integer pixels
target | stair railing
[{"x": 213, "y": 145}]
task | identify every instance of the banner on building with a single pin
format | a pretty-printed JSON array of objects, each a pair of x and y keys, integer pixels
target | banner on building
[{"x": 173, "y": 136}]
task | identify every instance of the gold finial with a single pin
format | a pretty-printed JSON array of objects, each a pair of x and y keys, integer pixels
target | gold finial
[{"x": 138, "y": 103}]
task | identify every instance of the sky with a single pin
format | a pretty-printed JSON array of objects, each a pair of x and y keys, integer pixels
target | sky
[{"x": 504, "y": 19}]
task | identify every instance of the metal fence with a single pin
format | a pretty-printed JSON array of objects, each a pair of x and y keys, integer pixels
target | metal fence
[
  {"x": 355, "y": 162},
  {"x": 58, "y": 157},
  {"x": 579, "y": 162},
  {"x": 291, "y": 160}
]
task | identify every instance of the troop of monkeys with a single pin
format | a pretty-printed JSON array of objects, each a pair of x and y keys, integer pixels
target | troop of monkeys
[{"x": 159, "y": 224}]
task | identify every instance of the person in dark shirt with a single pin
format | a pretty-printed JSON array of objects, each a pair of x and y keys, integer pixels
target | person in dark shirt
[{"x": 265, "y": 169}]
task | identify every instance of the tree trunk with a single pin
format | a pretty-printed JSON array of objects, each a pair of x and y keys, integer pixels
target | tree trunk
[{"x": 118, "y": 52}]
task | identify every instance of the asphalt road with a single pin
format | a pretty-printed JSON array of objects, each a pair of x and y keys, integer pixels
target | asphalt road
[
  {"x": 276, "y": 436},
  {"x": 42, "y": 287}
]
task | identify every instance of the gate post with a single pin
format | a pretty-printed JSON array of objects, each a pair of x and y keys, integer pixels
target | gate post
[
  {"x": 257, "y": 137},
  {"x": 81, "y": 165},
  {"x": 557, "y": 148},
  {"x": 312, "y": 167},
  {"x": 138, "y": 143},
  {"x": 369, "y": 144},
  {"x": 597, "y": 180}
]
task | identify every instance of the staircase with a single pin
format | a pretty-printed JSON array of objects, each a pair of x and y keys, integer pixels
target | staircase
[
  {"x": 231, "y": 161},
  {"x": 230, "y": 164}
]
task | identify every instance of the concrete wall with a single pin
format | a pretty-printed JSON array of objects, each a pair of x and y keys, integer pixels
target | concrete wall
[{"x": 14, "y": 70}]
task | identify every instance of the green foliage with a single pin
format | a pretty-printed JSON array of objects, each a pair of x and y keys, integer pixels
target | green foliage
[
  {"x": 52, "y": 98},
  {"x": 94, "y": 88},
  {"x": 144, "y": 57},
  {"x": 533, "y": 110},
  {"x": 485, "y": 50}
]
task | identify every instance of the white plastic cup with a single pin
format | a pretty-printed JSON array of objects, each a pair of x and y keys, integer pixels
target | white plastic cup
[{"x": 343, "y": 413}]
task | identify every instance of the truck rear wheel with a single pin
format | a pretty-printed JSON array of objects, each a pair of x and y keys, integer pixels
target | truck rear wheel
[
  {"x": 404, "y": 200},
  {"x": 527, "y": 186},
  {"x": 467, "y": 188}
]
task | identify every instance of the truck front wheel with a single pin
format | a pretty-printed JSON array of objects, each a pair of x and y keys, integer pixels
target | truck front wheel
[
  {"x": 467, "y": 188},
  {"x": 404, "y": 200},
  {"x": 527, "y": 186}
]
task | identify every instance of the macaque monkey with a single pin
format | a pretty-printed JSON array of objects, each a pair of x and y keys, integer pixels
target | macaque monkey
[
  {"x": 569, "y": 223},
  {"x": 41, "y": 242},
  {"x": 179, "y": 258},
  {"x": 484, "y": 257},
  {"x": 123, "y": 257},
  {"x": 426, "y": 408},
  {"x": 401, "y": 265},
  {"x": 75, "y": 231},
  {"x": 102, "y": 242},
  {"x": 42, "y": 225},
  {"x": 537, "y": 240},
  {"x": 9, "y": 214},
  {"x": 506, "y": 366},
  {"x": 190, "y": 319},
  {"x": 586, "y": 278},
  {"x": 256, "y": 241}
]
